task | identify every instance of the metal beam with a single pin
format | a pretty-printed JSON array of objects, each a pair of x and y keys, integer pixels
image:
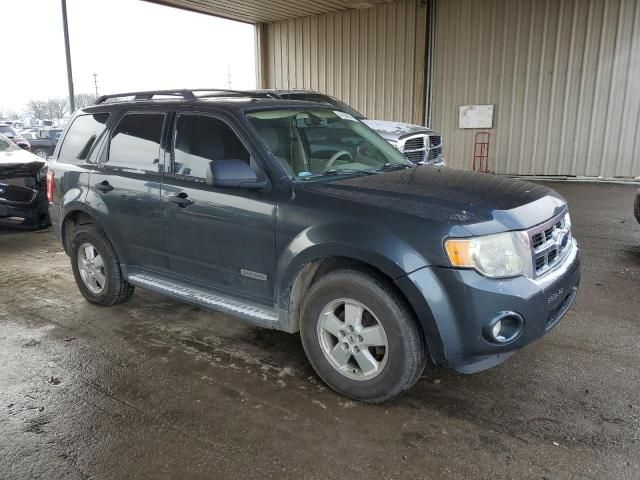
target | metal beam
[{"x": 67, "y": 50}]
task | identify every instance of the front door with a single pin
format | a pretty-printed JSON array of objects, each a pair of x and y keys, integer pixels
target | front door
[
  {"x": 125, "y": 189},
  {"x": 221, "y": 238}
]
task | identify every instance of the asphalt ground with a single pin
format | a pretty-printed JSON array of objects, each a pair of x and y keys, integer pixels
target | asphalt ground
[{"x": 156, "y": 389}]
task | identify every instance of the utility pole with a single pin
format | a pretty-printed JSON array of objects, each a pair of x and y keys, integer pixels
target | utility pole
[
  {"x": 95, "y": 83},
  {"x": 67, "y": 50}
]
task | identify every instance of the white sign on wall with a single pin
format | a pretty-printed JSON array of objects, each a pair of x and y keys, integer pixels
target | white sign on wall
[{"x": 476, "y": 116}]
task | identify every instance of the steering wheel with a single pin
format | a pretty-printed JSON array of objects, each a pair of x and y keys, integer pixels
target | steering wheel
[{"x": 335, "y": 157}]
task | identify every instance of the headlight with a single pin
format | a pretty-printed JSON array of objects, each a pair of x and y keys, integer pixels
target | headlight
[{"x": 502, "y": 255}]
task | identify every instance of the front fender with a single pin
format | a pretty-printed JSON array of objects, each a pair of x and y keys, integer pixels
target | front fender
[{"x": 371, "y": 245}]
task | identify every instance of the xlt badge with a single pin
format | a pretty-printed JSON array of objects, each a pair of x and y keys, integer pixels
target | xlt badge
[{"x": 254, "y": 275}]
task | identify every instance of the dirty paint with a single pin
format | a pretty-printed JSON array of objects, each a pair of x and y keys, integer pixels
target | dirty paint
[{"x": 158, "y": 389}]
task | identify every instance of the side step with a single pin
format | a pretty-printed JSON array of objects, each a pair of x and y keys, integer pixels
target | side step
[{"x": 251, "y": 312}]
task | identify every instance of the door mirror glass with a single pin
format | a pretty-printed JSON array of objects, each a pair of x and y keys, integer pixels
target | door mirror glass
[{"x": 233, "y": 174}]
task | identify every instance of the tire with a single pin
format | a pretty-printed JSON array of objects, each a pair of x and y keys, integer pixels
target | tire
[
  {"x": 114, "y": 288},
  {"x": 404, "y": 357},
  {"x": 41, "y": 153}
]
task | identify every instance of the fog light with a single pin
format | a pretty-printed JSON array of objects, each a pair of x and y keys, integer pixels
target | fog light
[
  {"x": 497, "y": 329},
  {"x": 504, "y": 328}
]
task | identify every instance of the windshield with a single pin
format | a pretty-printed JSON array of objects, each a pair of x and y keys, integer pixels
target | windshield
[
  {"x": 311, "y": 143},
  {"x": 320, "y": 98},
  {"x": 7, "y": 145}
]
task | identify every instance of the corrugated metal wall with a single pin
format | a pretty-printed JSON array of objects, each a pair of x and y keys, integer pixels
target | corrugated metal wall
[
  {"x": 373, "y": 59},
  {"x": 564, "y": 76}
]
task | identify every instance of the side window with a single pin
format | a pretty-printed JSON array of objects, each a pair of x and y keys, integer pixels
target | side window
[
  {"x": 200, "y": 139},
  {"x": 81, "y": 136},
  {"x": 135, "y": 142}
]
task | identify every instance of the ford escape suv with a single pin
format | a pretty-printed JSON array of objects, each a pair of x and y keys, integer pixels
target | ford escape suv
[{"x": 296, "y": 216}]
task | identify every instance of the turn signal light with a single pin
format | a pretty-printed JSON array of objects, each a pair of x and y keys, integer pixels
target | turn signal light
[{"x": 459, "y": 252}]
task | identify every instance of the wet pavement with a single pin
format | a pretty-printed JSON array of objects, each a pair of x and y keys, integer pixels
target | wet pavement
[{"x": 159, "y": 389}]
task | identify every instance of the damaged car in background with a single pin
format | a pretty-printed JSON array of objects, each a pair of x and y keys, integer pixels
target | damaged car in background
[{"x": 23, "y": 197}]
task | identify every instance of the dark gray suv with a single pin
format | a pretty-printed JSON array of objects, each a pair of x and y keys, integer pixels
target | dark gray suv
[{"x": 296, "y": 216}]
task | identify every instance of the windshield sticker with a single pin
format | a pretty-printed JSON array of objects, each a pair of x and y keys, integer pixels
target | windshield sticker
[{"x": 344, "y": 116}]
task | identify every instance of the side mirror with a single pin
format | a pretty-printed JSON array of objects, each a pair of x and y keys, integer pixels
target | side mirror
[{"x": 232, "y": 174}]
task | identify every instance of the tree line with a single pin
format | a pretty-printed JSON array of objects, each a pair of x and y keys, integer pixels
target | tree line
[{"x": 57, "y": 107}]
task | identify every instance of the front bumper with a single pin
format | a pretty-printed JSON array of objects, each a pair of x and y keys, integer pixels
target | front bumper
[{"x": 462, "y": 302}]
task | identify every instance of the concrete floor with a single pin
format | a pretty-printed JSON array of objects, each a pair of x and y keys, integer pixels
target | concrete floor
[{"x": 158, "y": 389}]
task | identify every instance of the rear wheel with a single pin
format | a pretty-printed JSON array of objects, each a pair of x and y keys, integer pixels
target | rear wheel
[
  {"x": 96, "y": 268},
  {"x": 360, "y": 336}
]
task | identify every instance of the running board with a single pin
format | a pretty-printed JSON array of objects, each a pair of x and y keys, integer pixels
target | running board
[{"x": 251, "y": 312}]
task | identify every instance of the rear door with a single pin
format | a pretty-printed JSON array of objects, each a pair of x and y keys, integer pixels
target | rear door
[
  {"x": 125, "y": 190},
  {"x": 222, "y": 238}
]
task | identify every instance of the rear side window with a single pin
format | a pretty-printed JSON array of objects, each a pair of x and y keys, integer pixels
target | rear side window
[
  {"x": 200, "y": 139},
  {"x": 82, "y": 135},
  {"x": 135, "y": 143}
]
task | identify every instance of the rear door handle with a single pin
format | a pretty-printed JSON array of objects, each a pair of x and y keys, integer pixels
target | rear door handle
[
  {"x": 104, "y": 186},
  {"x": 181, "y": 199}
]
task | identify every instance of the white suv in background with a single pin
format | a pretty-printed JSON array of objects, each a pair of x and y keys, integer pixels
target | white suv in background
[{"x": 419, "y": 144}]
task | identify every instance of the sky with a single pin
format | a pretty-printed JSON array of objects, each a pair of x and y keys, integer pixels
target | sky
[{"x": 131, "y": 45}]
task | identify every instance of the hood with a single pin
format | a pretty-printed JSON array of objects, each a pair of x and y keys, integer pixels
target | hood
[
  {"x": 481, "y": 203},
  {"x": 20, "y": 159},
  {"x": 393, "y": 131}
]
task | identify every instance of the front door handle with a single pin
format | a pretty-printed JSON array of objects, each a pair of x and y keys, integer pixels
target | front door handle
[
  {"x": 104, "y": 186},
  {"x": 181, "y": 199}
]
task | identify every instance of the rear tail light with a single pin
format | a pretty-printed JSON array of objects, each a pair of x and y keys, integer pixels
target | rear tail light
[{"x": 50, "y": 186}]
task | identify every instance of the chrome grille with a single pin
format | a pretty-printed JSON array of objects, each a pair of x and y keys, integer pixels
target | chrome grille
[
  {"x": 415, "y": 156},
  {"x": 435, "y": 153},
  {"x": 414, "y": 143},
  {"x": 421, "y": 147},
  {"x": 550, "y": 243}
]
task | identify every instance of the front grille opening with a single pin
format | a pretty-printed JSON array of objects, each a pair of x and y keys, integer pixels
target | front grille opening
[
  {"x": 551, "y": 256},
  {"x": 540, "y": 263},
  {"x": 415, "y": 156},
  {"x": 415, "y": 143},
  {"x": 435, "y": 153},
  {"x": 434, "y": 140},
  {"x": 538, "y": 240},
  {"x": 11, "y": 193}
]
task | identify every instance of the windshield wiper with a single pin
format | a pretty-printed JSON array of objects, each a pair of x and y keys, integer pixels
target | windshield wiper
[
  {"x": 393, "y": 166},
  {"x": 347, "y": 171}
]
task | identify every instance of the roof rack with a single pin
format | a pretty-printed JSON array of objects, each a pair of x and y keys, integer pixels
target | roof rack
[{"x": 185, "y": 94}]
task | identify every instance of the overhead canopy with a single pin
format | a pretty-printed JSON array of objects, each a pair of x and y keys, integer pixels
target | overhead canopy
[{"x": 258, "y": 11}]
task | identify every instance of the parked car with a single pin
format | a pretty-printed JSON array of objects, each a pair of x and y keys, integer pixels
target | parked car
[
  {"x": 636, "y": 206},
  {"x": 9, "y": 132},
  {"x": 22, "y": 185},
  {"x": 296, "y": 216},
  {"x": 419, "y": 144},
  {"x": 43, "y": 141}
]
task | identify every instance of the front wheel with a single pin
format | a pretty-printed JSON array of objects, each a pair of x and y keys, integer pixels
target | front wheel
[{"x": 360, "y": 336}]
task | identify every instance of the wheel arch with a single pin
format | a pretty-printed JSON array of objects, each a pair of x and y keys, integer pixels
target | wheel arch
[
  {"x": 73, "y": 216},
  {"x": 312, "y": 264}
]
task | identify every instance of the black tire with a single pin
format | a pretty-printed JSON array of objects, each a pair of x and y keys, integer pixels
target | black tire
[
  {"x": 406, "y": 349},
  {"x": 116, "y": 289}
]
